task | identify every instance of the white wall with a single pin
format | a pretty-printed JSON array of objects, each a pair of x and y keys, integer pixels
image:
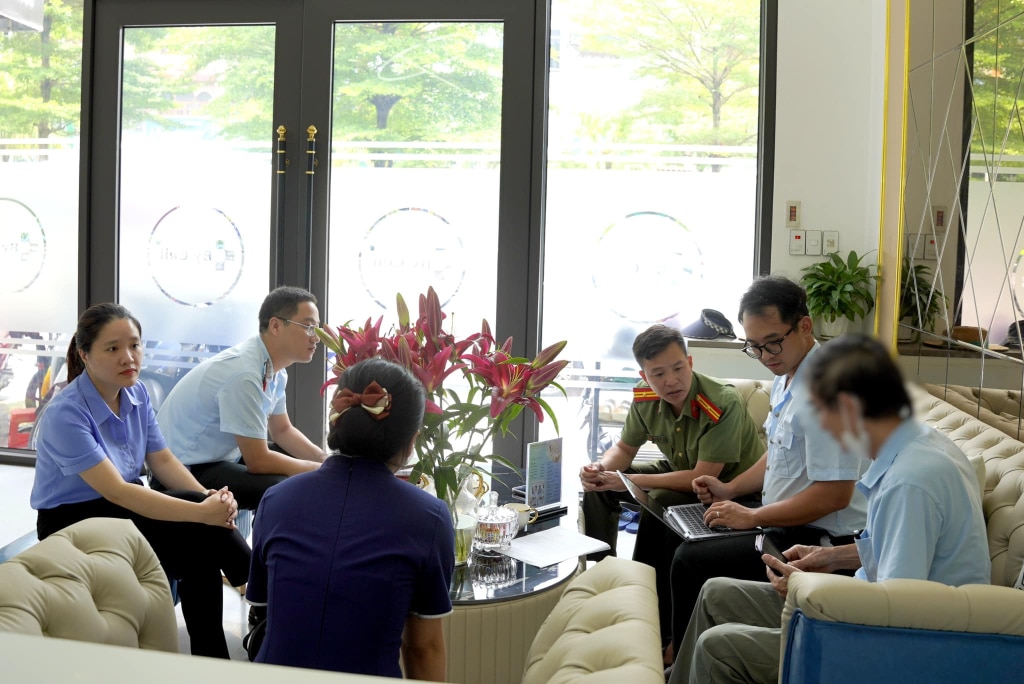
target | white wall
[{"x": 828, "y": 145}]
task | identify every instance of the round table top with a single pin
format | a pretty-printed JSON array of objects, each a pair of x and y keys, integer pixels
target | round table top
[{"x": 494, "y": 578}]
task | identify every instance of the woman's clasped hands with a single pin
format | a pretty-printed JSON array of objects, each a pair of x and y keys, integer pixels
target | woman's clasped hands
[{"x": 220, "y": 508}]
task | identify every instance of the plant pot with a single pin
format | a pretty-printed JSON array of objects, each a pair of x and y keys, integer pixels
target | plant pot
[
  {"x": 905, "y": 331},
  {"x": 827, "y": 330}
]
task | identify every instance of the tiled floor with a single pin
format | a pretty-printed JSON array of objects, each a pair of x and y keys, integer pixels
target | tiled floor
[{"x": 236, "y": 624}]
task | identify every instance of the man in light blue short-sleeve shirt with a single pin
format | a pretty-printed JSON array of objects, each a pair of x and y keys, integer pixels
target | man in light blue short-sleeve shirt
[
  {"x": 924, "y": 517},
  {"x": 217, "y": 419}
]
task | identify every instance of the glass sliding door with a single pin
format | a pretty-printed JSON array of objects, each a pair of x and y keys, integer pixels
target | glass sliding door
[
  {"x": 185, "y": 100},
  {"x": 195, "y": 194},
  {"x": 415, "y": 177},
  {"x": 407, "y": 163},
  {"x": 40, "y": 96},
  {"x": 429, "y": 169}
]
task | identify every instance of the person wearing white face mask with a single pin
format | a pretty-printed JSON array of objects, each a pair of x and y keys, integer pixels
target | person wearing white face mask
[{"x": 924, "y": 517}]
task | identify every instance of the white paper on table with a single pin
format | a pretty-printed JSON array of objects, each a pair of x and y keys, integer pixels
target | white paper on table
[{"x": 553, "y": 546}]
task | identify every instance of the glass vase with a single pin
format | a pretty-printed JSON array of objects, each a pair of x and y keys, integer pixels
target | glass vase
[{"x": 465, "y": 529}]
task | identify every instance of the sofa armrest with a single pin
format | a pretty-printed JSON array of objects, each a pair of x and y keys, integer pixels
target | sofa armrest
[
  {"x": 603, "y": 629},
  {"x": 913, "y": 604},
  {"x": 828, "y": 615}
]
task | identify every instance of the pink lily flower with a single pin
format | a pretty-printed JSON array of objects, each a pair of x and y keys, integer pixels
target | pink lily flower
[
  {"x": 542, "y": 377},
  {"x": 457, "y": 430}
]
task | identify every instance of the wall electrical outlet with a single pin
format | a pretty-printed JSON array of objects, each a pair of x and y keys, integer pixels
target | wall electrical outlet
[
  {"x": 830, "y": 241},
  {"x": 797, "y": 240},
  {"x": 940, "y": 219},
  {"x": 792, "y": 215}
]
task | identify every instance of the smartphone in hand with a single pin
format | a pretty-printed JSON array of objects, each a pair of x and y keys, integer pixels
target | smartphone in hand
[{"x": 764, "y": 544}]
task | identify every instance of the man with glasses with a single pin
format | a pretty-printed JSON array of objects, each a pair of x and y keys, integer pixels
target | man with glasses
[
  {"x": 218, "y": 417},
  {"x": 807, "y": 488}
]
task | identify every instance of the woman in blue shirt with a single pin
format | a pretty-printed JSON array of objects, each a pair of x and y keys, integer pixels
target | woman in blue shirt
[
  {"x": 354, "y": 564},
  {"x": 92, "y": 441}
]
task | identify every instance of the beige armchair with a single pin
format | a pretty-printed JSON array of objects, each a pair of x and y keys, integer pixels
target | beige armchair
[
  {"x": 840, "y": 629},
  {"x": 98, "y": 581}
]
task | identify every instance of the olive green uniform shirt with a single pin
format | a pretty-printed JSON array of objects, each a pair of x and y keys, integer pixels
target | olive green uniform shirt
[{"x": 733, "y": 440}]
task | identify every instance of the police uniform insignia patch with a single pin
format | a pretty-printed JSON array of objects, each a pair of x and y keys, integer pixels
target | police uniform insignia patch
[
  {"x": 702, "y": 403},
  {"x": 644, "y": 394}
]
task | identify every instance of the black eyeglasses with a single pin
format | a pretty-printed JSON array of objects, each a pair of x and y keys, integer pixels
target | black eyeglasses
[{"x": 774, "y": 347}]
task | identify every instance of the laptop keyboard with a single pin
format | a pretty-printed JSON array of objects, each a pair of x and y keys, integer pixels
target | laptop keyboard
[{"x": 694, "y": 518}]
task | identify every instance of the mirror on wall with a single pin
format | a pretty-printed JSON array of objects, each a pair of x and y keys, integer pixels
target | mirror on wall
[{"x": 962, "y": 277}]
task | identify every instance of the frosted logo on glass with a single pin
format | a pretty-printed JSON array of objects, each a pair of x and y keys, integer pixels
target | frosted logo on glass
[
  {"x": 196, "y": 255},
  {"x": 408, "y": 250},
  {"x": 657, "y": 251},
  {"x": 22, "y": 246}
]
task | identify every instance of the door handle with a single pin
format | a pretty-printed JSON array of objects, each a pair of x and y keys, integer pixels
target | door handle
[
  {"x": 311, "y": 164},
  {"x": 280, "y": 166}
]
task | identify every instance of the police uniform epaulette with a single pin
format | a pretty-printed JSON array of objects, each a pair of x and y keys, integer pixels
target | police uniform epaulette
[
  {"x": 702, "y": 403},
  {"x": 644, "y": 394}
]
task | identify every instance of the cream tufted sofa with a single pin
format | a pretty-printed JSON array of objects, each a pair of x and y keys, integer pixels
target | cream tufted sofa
[
  {"x": 98, "y": 581},
  {"x": 757, "y": 398},
  {"x": 1002, "y": 409},
  {"x": 839, "y": 629},
  {"x": 604, "y": 629}
]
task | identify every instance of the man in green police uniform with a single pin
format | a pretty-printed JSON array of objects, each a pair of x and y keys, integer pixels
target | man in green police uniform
[{"x": 697, "y": 422}]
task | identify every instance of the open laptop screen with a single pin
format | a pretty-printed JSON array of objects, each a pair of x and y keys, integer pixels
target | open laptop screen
[{"x": 544, "y": 474}]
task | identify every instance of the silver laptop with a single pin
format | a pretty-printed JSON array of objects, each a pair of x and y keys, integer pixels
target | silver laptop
[{"x": 686, "y": 520}]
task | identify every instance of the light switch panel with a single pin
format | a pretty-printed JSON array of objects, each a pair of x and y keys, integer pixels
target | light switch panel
[
  {"x": 797, "y": 242},
  {"x": 830, "y": 241},
  {"x": 813, "y": 245},
  {"x": 915, "y": 245}
]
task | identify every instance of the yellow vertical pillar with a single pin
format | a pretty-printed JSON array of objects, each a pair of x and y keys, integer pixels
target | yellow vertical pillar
[{"x": 890, "y": 240}]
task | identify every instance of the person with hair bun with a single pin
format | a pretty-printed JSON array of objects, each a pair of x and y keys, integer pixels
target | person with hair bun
[
  {"x": 92, "y": 441},
  {"x": 354, "y": 564}
]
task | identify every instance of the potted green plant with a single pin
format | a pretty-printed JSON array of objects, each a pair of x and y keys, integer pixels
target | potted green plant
[
  {"x": 920, "y": 304},
  {"x": 475, "y": 389},
  {"x": 839, "y": 291}
]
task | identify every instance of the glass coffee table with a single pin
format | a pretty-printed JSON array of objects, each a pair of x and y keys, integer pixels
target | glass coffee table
[{"x": 492, "y": 579}]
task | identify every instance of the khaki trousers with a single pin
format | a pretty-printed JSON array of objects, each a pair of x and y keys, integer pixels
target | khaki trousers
[{"x": 733, "y": 636}]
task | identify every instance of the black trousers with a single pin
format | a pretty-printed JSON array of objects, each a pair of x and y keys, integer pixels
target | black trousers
[
  {"x": 601, "y": 513},
  {"x": 194, "y": 554},
  {"x": 247, "y": 488},
  {"x": 655, "y": 543},
  {"x": 696, "y": 562}
]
